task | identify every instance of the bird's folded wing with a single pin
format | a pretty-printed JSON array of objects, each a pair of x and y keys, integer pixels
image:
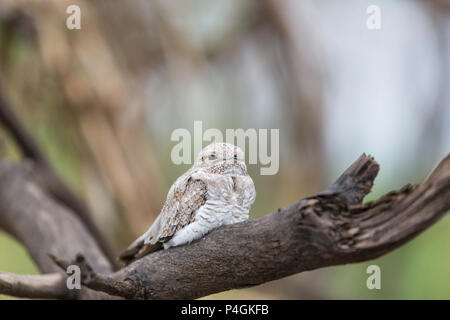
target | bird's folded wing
[
  {"x": 179, "y": 210},
  {"x": 184, "y": 199}
]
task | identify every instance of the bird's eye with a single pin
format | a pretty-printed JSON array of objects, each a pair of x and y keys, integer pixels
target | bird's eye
[
  {"x": 212, "y": 157},
  {"x": 235, "y": 157}
]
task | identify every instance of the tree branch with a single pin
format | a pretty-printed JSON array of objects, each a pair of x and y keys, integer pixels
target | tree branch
[
  {"x": 43, "y": 225},
  {"x": 326, "y": 229},
  {"x": 330, "y": 228},
  {"x": 47, "y": 178},
  {"x": 95, "y": 280},
  {"x": 47, "y": 286}
]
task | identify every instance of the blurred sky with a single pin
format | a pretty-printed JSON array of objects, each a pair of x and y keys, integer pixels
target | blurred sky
[{"x": 381, "y": 84}]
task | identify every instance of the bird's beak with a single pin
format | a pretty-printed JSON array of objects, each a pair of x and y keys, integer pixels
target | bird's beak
[{"x": 236, "y": 170}]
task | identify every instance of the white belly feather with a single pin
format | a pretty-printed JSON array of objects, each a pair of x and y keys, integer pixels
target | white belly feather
[{"x": 209, "y": 217}]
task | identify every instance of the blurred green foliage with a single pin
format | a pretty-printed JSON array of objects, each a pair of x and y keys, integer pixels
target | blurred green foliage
[
  {"x": 420, "y": 269},
  {"x": 14, "y": 258}
]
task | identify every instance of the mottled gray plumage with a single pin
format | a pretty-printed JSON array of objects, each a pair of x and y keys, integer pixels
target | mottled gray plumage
[{"x": 216, "y": 190}]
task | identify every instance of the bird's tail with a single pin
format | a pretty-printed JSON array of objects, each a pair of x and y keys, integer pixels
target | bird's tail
[{"x": 138, "y": 249}]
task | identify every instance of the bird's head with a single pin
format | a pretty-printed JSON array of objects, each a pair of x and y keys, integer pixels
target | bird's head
[{"x": 222, "y": 158}]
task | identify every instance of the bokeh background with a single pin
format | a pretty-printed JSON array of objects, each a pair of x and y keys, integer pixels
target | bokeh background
[{"x": 103, "y": 101}]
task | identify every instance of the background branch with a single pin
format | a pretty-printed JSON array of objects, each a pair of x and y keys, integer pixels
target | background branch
[
  {"x": 48, "y": 286},
  {"x": 47, "y": 178},
  {"x": 329, "y": 228},
  {"x": 43, "y": 225}
]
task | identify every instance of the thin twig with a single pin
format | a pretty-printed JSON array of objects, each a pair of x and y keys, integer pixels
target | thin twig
[{"x": 48, "y": 286}]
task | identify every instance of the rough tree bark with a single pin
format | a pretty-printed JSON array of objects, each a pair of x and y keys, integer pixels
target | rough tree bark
[{"x": 329, "y": 228}]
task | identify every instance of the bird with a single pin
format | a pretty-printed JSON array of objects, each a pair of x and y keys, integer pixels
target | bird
[{"x": 217, "y": 190}]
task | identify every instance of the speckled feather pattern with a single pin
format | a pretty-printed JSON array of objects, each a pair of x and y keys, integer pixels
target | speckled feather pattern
[{"x": 215, "y": 191}]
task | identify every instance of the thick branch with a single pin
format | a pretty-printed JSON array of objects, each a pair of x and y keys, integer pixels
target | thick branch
[
  {"x": 326, "y": 229},
  {"x": 330, "y": 228}
]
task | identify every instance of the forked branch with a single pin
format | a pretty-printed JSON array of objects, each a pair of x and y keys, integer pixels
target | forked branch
[{"x": 329, "y": 228}]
